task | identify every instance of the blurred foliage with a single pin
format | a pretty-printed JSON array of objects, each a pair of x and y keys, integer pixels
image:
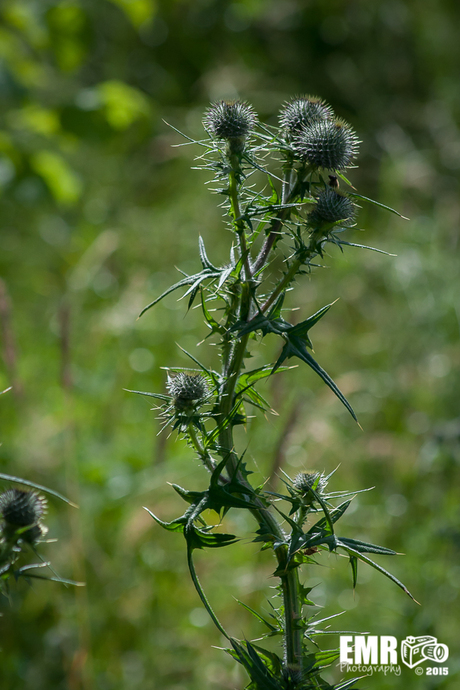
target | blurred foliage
[{"x": 97, "y": 209}]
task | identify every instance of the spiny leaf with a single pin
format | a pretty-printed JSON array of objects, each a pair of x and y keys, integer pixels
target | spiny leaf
[
  {"x": 177, "y": 525},
  {"x": 271, "y": 659},
  {"x": 211, "y": 373},
  {"x": 327, "y": 515},
  {"x": 376, "y": 203},
  {"x": 275, "y": 311},
  {"x": 157, "y": 396},
  {"x": 301, "y": 329},
  {"x": 225, "y": 274},
  {"x": 346, "y": 684},
  {"x": 254, "y": 398},
  {"x": 203, "y": 256},
  {"x": 190, "y": 140},
  {"x": 222, "y": 495},
  {"x": 323, "y": 658},
  {"x": 39, "y": 487},
  {"x": 192, "y": 497},
  {"x": 363, "y": 547},
  {"x": 212, "y": 323},
  {"x": 185, "y": 281},
  {"x": 334, "y": 514},
  {"x": 345, "y": 179},
  {"x": 256, "y": 669},
  {"x": 264, "y": 323},
  {"x": 272, "y": 628},
  {"x": 365, "y": 559},
  {"x": 248, "y": 378},
  {"x": 363, "y": 246},
  {"x": 194, "y": 282},
  {"x": 295, "y": 347},
  {"x": 200, "y": 539},
  {"x": 304, "y": 595},
  {"x": 354, "y": 569}
]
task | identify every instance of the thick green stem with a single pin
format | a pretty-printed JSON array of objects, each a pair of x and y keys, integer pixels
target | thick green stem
[
  {"x": 282, "y": 285},
  {"x": 232, "y": 366},
  {"x": 239, "y": 224},
  {"x": 267, "y": 521},
  {"x": 290, "y": 587}
]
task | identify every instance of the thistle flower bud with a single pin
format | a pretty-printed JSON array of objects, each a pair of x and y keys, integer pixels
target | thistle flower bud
[
  {"x": 34, "y": 534},
  {"x": 22, "y": 508},
  {"x": 302, "y": 112},
  {"x": 187, "y": 391},
  {"x": 328, "y": 144},
  {"x": 331, "y": 207},
  {"x": 232, "y": 121},
  {"x": 304, "y": 482}
]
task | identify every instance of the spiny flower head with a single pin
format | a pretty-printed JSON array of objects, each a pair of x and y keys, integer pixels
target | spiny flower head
[
  {"x": 34, "y": 534},
  {"x": 331, "y": 207},
  {"x": 230, "y": 120},
  {"x": 306, "y": 481},
  {"x": 330, "y": 144},
  {"x": 187, "y": 390},
  {"x": 303, "y": 111},
  {"x": 21, "y": 508}
]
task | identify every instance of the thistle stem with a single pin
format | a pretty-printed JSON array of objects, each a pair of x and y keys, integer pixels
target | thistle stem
[
  {"x": 291, "y": 189},
  {"x": 266, "y": 520},
  {"x": 205, "y": 457},
  {"x": 282, "y": 285},
  {"x": 239, "y": 224}
]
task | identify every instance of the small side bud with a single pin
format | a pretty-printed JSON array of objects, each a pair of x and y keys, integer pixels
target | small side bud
[
  {"x": 187, "y": 391},
  {"x": 332, "y": 207},
  {"x": 231, "y": 121},
  {"x": 302, "y": 112},
  {"x": 330, "y": 144},
  {"x": 305, "y": 482}
]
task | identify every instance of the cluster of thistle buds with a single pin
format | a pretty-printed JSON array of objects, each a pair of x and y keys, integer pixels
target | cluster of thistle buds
[
  {"x": 21, "y": 515},
  {"x": 310, "y": 135}
]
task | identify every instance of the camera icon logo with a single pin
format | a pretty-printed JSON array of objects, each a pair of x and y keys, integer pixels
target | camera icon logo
[{"x": 415, "y": 650}]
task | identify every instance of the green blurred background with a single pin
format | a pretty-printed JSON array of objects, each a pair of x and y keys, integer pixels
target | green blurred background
[{"x": 97, "y": 209}]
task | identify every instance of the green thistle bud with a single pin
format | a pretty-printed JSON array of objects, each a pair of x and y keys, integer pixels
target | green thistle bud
[
  {"x": 34, "y": 534},
  {"x": 302, "y": 112},
  {"x": 304, "y": 482},
  {"x": 331, "y": 207},
  {"x": 21, "y": 508},
  {"x": 187, "y": 391},
  {"x": 328, "y": 144},
  {"x": 231, "y": 121}
]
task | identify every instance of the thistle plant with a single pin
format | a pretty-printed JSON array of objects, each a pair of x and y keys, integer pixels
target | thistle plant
[
  {"x": 297, "y": 212},
  {"x": 22, "y": 531}
]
